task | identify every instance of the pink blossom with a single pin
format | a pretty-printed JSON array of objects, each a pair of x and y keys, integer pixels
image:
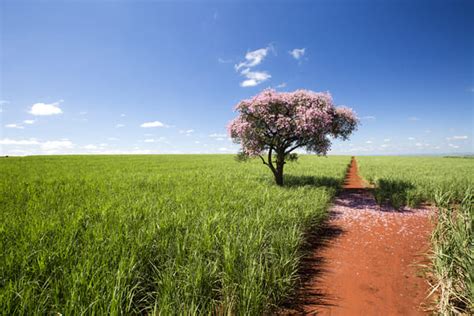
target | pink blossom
[
  {"x": 280, "y": 122},
  {"x": 286, "y": 120}
]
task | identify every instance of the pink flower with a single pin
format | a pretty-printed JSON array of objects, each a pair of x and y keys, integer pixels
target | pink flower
[{"x": 285, "y": 121}]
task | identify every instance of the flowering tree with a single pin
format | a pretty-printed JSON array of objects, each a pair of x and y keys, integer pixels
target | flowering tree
[{"x": 276, "y": 123}]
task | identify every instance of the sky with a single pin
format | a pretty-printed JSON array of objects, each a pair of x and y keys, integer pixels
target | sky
[{"x": 124, "y": 77}]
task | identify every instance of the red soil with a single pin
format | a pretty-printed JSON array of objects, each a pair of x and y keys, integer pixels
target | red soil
[
  {"x": 366, "y": 261},
  {"x": 353, "y": 180}
]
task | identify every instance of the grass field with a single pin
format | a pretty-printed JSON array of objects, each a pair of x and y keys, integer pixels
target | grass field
[
  {"x": 139, "y": 234},
  {"x": 448, "y": 183},
  {"x": 412, "y": 180}
]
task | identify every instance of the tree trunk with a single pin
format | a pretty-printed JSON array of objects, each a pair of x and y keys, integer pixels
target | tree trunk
[
  {"x": 280, "y": 163},
  {"x": 279, "y": 177}
]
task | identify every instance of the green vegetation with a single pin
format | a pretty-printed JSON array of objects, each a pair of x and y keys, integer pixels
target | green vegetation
[
  {"x": 447, "y": 183},
  {"x": 453, "y": 254},
  {"x": 412, "y": 180},
  {"x": 146, "y": 234}
]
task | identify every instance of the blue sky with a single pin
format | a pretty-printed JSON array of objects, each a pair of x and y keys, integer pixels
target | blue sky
[{"x": 163, "y": 77}]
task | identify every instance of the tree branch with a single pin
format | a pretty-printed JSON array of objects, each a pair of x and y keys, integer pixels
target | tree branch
[
  {"x": 270, "y": 163},
  {"x": 294, "y": 147},
  {"x": 263, "y": 160}
]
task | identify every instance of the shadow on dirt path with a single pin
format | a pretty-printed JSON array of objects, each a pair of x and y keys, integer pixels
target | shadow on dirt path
[{"x": 365, "y": 259}]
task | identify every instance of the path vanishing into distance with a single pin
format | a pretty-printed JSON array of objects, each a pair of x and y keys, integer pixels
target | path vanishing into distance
[{"x": 366, "y": 260}]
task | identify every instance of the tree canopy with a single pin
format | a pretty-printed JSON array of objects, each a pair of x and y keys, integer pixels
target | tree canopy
[{"x": 280, "y": 122}]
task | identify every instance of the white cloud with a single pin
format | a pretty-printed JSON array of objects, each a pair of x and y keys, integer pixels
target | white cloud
[
  {"x": 368, "y": 142},
  {"x": 187, "y": 132},
  {"x": 224, "y": 149},
  {"x": 119, "y": 125},
  {"x": 453, "y": 146},
  {"x": 46, "y": 108},
  {"x": 56, "y": 144},
  {"x": 281, "y": 85},
  {"x": 19, "y": 152},
  {"x": 152, "y": 124},
  {"x": 411, "y": 138},
  {"x": 418, "y": 144},
  {"x": 90, "y": 146},
  {"x": 385, "y": 145},
  {"x": 47, "y": 146},
  {"x": 386, "y": 140},
  {"x": 254, "y": 77},
  {"x": 22, "y": 142},
  {"x": 112, "y": 138},
  {"x": 253, "y": 58},
  {"x": 155, "y": 140},
  {"x": 14, "y": 126},
  {"x": 122, "y": 115},
  {"x": 463, "y": 137},
  {"x": 413, "y": 118},
  {"x": 197, "y": 142},
  {"x": 297, "y": 53},
  {"x": 216, "y": 135},
  {"x": 29, "y": 121},
  {"x": 224, "y": 61}
]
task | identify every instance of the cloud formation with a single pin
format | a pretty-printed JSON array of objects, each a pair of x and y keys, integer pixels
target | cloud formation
[
  {"x": 217, "y": 135},
  {"x": 297, "y": 53},
  {"x": 44, "y": 109},
  {"x": 21, "y": 142},
  {"x": 186, "y": 132},
  {"x": 57, "y": 144},
  {"x": 14, "y": 126},
  {"x": 152, "y": 124},
  {"x": 253, "y": 59},
  {"x": 462, "y": 137},
  {"x": 254, "y": 77},
  {"x": 46, "y": 146}
]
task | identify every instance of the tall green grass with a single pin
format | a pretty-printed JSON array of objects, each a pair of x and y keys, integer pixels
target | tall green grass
[
  {"x": 413, "y": 180},
  {"x": 154, "y": 234},
  {"x": 453, "y": 254}
]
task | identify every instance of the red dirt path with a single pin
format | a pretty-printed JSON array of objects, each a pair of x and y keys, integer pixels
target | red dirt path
[{"x": 366, "y": 261}]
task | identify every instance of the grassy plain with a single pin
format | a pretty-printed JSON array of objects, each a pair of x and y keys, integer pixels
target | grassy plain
[
  {"x": 412, "y": 180},
  {"x": 145, "y": 234}
]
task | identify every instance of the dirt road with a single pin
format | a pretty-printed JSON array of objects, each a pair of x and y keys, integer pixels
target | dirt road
[{"x": 366, "y": 261}]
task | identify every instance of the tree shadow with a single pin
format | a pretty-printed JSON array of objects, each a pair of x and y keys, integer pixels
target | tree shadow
[
  {"x": 312, "y": 268},
  {"x": 363, "y": 199},
  {"x": 397, "y": 193},
  {"x": 321, "y": 181}
]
